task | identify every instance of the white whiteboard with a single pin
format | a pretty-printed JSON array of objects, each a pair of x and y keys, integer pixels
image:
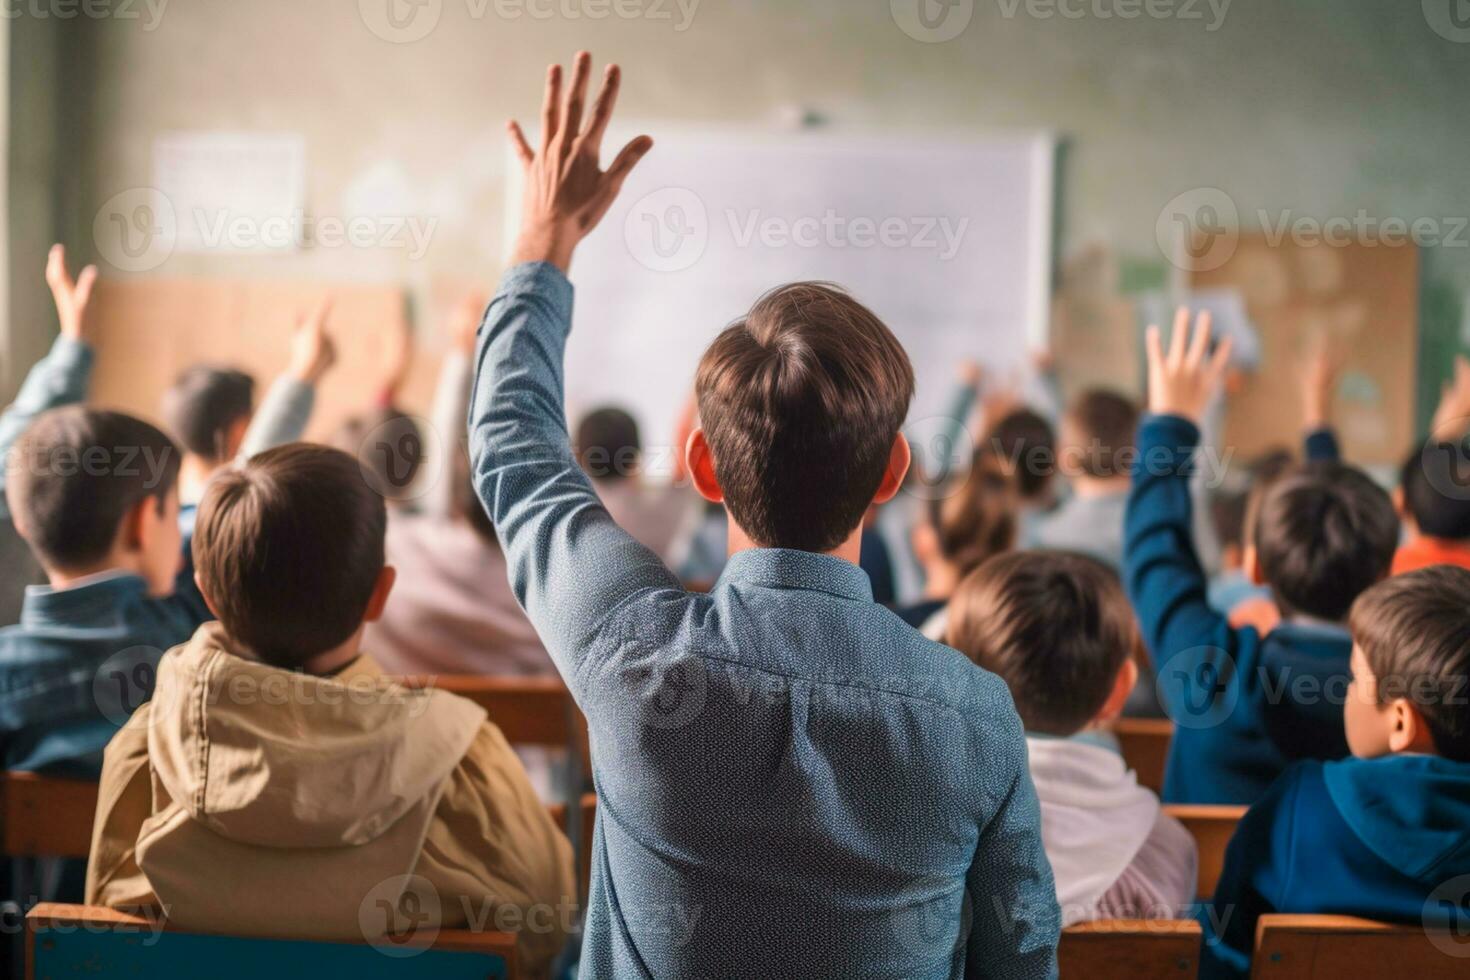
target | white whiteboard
[{"x": 948, "y": 240}]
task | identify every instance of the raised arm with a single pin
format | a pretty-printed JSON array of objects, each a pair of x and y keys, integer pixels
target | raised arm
[
  {"x": 452, "y": 400},
  {"x": 570, "y": 566},
  {"x": 1162, "y": 571},
  {"x": 63, "y": 375},
  {"x": 1320, "y": 371},
  {"x": 287, "y": 406}
]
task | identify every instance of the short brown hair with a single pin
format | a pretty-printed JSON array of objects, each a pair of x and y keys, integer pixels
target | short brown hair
[
  {"x": 202, "y": 405},
  {"x": 288, "y": 549},
  {"x": 1108, "y": 423},
  {"x": 801, "y": 401},
  {"x": 1323, "y": 533},
  {"x": 1055, "y": 626},
  {"x": 978, "y": 520},
  {"x": 1025, "y": 441},
  {"x": 77, "y": 473},
  {"x": 1414, "y": 630}
]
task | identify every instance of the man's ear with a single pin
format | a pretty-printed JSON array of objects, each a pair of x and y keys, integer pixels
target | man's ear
[
  {"x": 701, "y": 463},
  {"x": 381, "y": 589},
  {"x": 204, "y": 593},
  {"x": 1250, "y": 563},
  {"x": 899, "y": 459}
]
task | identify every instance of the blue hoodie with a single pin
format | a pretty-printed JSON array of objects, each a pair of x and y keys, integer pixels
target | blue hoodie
[
  {"x": 1366, "y": 837},
  {"x": 1244, "y": 706}
]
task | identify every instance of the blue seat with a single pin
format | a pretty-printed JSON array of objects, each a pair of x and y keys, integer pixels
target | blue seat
[{"x": 74, "y": 941}]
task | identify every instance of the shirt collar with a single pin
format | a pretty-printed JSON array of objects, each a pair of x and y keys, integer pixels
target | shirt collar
[
  {"x": 86, "y": 600},
  {"x": 785, "y": 568}
]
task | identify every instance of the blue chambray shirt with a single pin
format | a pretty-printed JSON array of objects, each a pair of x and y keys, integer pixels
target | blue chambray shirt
[{"x": 791, "y": 781}]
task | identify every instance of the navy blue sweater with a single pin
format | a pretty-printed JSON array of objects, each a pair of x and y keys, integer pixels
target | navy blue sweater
[
  {"x": 1244, "y": 707},
  {"x": 1384, "y": 838}
]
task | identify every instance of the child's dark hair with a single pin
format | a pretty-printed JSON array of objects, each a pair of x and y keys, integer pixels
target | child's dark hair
[
  {"x": 1323, "y": 533},
  {"x": 1026, "y": 443},
  {"x": 1414, "y": 630},
  {"x": 1055, "y": 626},
  {"x": 1435, "y": 482},
  {"x": 801, "y": 401},
  {"x": 978, "y": 520},
  {"x": 77, "y": 473},
  {"x": 608, "y": 446},
  {"x": 288, "y": 549},
  {"x": 202, "y": 405},
  {"x": 1108, "y": 423}
]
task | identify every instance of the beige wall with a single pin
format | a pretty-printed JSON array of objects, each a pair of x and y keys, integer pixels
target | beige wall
[{"x": 1320, "y": 107}]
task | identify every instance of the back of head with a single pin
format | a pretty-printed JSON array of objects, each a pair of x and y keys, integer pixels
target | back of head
[
  {"x": 608, "y": 446},
  {"x": 288, "y": 549},
  {"x": 801, "y": 401},
  {"x": 1102, "y": 428},
  {"x": 1323, "y": 533},
  {"x": 1435, "y": 482},
  {"x": 1026, "y": 442},
  {"x": 202, "y": 405},
  {"x": 76, "y": 474},
  {"x": 1055, "y": 626},
  {"x": 978, "y": 520},
  {"x": 1414, "y": 631},
  {"x": 389, "y": 446}
]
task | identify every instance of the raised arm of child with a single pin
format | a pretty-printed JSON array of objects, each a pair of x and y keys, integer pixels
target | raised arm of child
[
  {"x": 1320, "y": 371},
  {"x": 1162, "y": 570},
  {"x": 286, "y": 407},
  {"x": 63, "y": 376}
]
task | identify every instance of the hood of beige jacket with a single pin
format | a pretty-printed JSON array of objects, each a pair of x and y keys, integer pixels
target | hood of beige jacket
[{"x": 290, "y": 790}]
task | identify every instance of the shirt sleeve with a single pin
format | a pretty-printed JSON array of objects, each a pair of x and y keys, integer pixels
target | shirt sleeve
[
  {"x": 571, "y": 567},
  {"x": 60, "y": 378},
  {"x": 1161, "y": 569},
  {"x": 281, "y": 418},
  {"x": 1320, "y": 446}
]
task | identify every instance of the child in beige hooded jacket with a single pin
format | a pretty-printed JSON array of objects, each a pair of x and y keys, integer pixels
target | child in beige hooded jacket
[{"x": 278, "y": 785}]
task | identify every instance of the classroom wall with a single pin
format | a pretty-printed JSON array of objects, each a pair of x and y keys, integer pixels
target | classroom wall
[{"x": 1321, "y": 107}]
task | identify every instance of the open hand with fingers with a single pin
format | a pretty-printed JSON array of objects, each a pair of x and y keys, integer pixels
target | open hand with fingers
[
  {"x": 312, "y": 350},
  {"x": 1182, "y": 380},
  {"x": 567, "y": 192},
  {"x": 71, "y": 296}
]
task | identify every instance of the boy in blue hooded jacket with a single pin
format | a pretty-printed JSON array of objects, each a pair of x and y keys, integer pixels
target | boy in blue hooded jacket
[{"x": 1384, "y": 834}]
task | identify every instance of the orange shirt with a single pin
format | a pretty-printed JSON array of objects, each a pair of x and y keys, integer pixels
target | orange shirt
[{"x": 1421, "y": 552}]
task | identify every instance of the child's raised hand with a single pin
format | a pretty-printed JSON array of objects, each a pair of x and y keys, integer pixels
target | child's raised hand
[
  {"x": 1183, "y": 380},
  {"x": 71, "y": 297},
  {"x": 1320, "y": 369},
  {"x": 312, "y": 350},
  {"x": 1452, "y": 417},
  {"x": 464, "y": 321},
  {"x": 567, "y": 191}
]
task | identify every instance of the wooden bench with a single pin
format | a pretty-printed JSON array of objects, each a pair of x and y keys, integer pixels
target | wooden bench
[
  {"x": 1130, "y": 949},
  {"x": 1145, "y": 746},
  {"x": 76, "y": 941},
  {"x": 528, "y": 710},
  {"x": 1329, "y": 947},
  {"x": 1211, "y": 827}
]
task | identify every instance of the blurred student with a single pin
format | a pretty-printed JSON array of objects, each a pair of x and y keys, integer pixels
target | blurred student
[
  {"x": 95, "y": 496},
  {"x": 782, "y": 755},
  {"x": 1057, "y": 628},
  {"x": 1095, "y": 450},
  {"x": 1433, "y": 496},
  {"x": 276, "y": 780},
  {"x": 453, "y": 611},
  {"x": 1245, "y": 705},
  {"x": 210, "y": 411},
  {"x": 960, "y": 530},
  {"x": 1385, "y": 834},
  {"x": 391, "y": 447},
  {"x": 611, "y": 453}
]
